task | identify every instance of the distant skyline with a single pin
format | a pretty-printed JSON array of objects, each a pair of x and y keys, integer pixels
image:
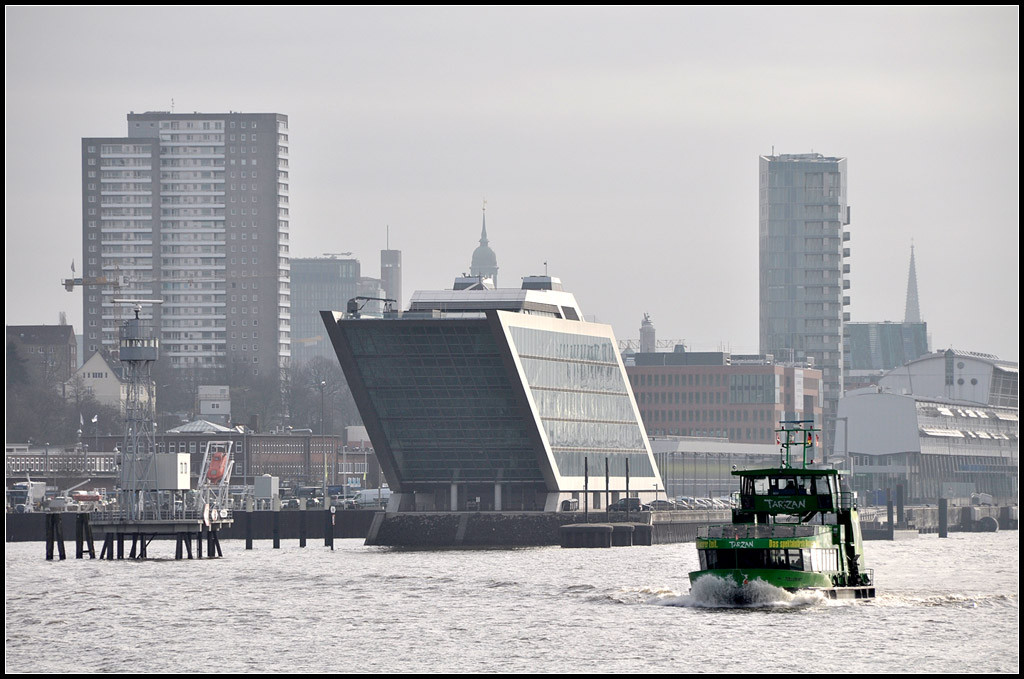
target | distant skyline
[{"x": 619, "y": 145}]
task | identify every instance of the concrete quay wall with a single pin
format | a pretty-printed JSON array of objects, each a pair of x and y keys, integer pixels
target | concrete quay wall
[{"x": 511, "y": 529}]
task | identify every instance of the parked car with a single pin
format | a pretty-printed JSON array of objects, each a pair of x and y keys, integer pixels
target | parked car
[{"x": 633, "y": 502}]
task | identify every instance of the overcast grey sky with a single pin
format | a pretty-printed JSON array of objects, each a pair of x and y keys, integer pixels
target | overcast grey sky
[{"x": 620, "y": 145}]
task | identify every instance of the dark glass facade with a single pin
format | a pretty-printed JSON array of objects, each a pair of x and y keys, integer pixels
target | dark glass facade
[{"x": 444, "y": 400}]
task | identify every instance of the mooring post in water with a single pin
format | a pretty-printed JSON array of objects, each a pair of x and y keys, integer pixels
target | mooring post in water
[
  {"x": 120, "y": 546},
  {"x": 248, "y": 529},
  {"x": 79, "y": 535},
  {"x": 211, "y": 543},
  {"x": 90, "y": 543},
  {"x": 216, "y": 544},
  {"x": 607, "y": 487},
  {"x": 199, "y": 542},
  {"x": 888, "y": 513},
  {"x": 586, "y": 488},
  {"x": 277, "y": 530},
  {"x": 140, "y": 540},
  {"x": 627, "y": 489},
  {"x": 49, "y": 538},
  {"x": 108, "y": 546},
  {"x": 54, "y": 534},
  {"x": 58, "y": 525},
  {"x": 178, "y": 551},
  {"x": 943, "y": 517},
  {"x": 302, "y": 529},
  {"x": 329, "y": 528},
  {"x": 899, "y": 505},
  {"x": 188, "y": 545}
]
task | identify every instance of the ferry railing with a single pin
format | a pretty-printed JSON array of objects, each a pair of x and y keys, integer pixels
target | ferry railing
[
  {"x": 118, "y": 515},
  {"x": 761, "y": 530}
]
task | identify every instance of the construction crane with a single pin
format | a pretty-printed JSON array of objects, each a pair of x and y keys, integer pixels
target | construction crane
[
  {"x": 116, "y": 281},
  {"x": 119, "y": 283}
]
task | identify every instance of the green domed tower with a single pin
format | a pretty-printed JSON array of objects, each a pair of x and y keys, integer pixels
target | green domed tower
[{"x": 485, "y": 262}]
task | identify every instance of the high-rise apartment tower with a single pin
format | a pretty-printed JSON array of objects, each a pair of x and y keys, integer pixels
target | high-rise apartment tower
[
  {"x": 803, "y": 212},
  {"x": 192, "y": 209}
]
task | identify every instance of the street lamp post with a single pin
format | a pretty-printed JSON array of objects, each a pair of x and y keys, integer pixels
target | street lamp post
[{"x": 323, "y": 385}]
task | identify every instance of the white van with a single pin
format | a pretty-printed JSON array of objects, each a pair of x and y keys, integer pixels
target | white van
[{"x": 373, "y": 498}]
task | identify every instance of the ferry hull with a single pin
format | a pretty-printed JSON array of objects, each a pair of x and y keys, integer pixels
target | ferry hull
[{"x": 791, "y": 581}]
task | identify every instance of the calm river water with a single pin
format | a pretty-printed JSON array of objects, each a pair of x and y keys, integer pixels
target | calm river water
[{"x": 944, "y": 606}]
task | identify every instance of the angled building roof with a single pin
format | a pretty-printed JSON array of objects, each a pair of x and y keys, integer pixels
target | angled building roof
[{"x": 200, "y": 427}]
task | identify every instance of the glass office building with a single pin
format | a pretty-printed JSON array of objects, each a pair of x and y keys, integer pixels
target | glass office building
[{"x": 484, "y": 399}]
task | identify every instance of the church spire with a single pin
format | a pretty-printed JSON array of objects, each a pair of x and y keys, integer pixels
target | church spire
[
  {"x": 485, "y": 262},
  {"x": 483, "y": 232},
  {"x": 913, "y": 310}
]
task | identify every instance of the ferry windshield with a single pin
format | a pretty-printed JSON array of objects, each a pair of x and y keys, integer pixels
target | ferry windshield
[
  {"x": 785, "y": 485},
  {"x": 814, "y": 559}
]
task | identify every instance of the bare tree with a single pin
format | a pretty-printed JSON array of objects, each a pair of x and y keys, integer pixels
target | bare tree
[{"x": 303, "y": 394}]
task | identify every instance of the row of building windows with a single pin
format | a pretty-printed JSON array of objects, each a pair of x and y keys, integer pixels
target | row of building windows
[{"x": 708, "y": 415}]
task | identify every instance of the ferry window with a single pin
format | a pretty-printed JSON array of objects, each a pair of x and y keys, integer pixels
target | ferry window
[
  {"x": 718, "y": 558},
  {"x": 751, "y": 558},
  {"x": 824, "y": 560},
  {"x": 761, "y": 486},
  {"x": 783, "y": 485}
]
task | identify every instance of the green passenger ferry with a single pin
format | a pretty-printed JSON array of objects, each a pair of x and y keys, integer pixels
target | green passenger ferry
[{"x": 793, "y": 527}]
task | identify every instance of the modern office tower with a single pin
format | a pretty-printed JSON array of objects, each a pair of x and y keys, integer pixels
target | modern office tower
[
  {"x": 874, "y": 347},
  {"x": 495, "y": 399},
  {"x": 391, "y": 275},
  {"x": 192, "y": 209},
  {"x": 319, "y": 283},
  {"x": 803, "y": 209}
]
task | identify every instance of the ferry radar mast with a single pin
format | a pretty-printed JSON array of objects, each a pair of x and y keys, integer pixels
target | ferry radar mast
[{"x": 795, "y": 434}]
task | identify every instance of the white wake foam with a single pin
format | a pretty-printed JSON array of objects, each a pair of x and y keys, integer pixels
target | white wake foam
[{"x": 711, "y": 591}]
